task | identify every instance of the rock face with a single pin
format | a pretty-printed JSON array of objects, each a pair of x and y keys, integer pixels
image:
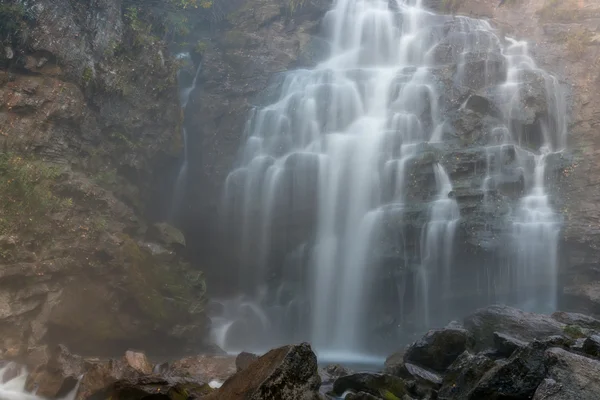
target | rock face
[
  {"x": 563, "y": 36},
  {"x": 286, "y": 373},
  {"x": 89, "y": 122}
]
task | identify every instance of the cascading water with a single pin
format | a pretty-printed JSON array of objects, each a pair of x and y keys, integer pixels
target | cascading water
[
  {"x": 185, "y": 90},
  {"x": 331, "y": 166},
  {"x": 12, "y": 385}
]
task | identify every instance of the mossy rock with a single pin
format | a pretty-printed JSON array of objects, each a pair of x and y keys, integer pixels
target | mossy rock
[
  {"x": 387, "y": 386},
  {"x": 574, "y": 331},
  {"x": 166, "y": 234}
]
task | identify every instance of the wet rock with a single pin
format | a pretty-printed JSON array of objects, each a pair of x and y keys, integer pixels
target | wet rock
[
  {"x": 286, "y": 373},
  {"x": 394, "y": 364},
  {"x": 379, "y": 385},
  {"x": 591, "y": 346},
  {"x": 329, "y": 374},
  {"x": 12, "y": 370},
  {"x": 518, "y": 324},
  {"x": 204, "y": 368},
  {"x": 584, "y": 321},
  {"x": 58, "y": 376},
  {"x": 243, "y": 360},
  {"x": 462, "y": 376},
  {"x": 516, "y": 378},
  {"x": 438, "y": 348},
  {"x": 156, "y": 387},
  {"x": 138, "y": 362},
  {"x": 505, "y": 344},
  {"x": 570, "y": 377},
  {"x": 424, "y": 376},
  {"x": 547, "y": 389}
]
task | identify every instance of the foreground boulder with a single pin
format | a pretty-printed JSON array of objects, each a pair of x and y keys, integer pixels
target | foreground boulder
[
  {"x": 367, "y": 384},
  {"x": 438, "y": 348},
  {"x": 518, "y": 324},
  {"x": 285, "y": 373},
  {"x": 204, "y": 367},
  {"x": 570, "y": 377},
  {"x": 516, "y": 378},
  {"x": 463, "y": 375},
  {"x": 155, "y": 387}
]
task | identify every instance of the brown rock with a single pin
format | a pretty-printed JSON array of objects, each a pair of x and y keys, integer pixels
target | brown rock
[
  {"x": 244, "y": 359},
  {"x": 138, "y": 362},
  {"x": 286, "y": 373},
  {"x": 204, "y": 368},
  {"x": 58, "y": 376}
]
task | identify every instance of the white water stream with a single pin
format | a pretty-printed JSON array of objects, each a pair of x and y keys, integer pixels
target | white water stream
[{"x": 342, "y": 134}]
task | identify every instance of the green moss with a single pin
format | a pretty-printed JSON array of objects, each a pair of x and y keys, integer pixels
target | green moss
[
  {"x": 26, "y": 192},
  {"x": 161, "y": 291},
  {"x": 574, "y": 331},
  {"x": 200, "y": 47},
  {"x": 87, "y": 75}
]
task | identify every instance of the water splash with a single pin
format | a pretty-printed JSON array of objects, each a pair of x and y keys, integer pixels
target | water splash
[{"x": 12, "y": 385}]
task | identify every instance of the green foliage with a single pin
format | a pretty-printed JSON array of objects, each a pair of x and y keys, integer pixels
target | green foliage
[
  {"x": 200, "y": 47},
  {"x": 26, "y": 192},
  {"x": 87, "y": 75},
  {"x": 574, "y": 331}
]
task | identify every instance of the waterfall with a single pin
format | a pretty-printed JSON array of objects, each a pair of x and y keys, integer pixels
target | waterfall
[
  {"x": 185, "y": 91},
  {"x": 353, "y": 149}
]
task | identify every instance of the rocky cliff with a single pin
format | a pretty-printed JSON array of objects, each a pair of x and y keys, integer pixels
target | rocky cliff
[
  {"x": 89, "y": 120},
  {"x": 564, "y": 39}
]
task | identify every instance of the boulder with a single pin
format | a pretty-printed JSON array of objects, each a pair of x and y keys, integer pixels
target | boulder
[
  {"x": 516, "y": 378},
  {"x": 438, "y": 348},
  {"x": 423, "y": 376},
  {"x": 285, "y": 373},
  {"x": 462, "y": 376},
  {"x": 505, "y": 344},
  {"x": 243, "y": 360},
  {"x": 138, "y": 362},
  {"x": 58, "y": 376},
  {"x": 591, "y": 346},
  {"x": 100, "y": 376},
  {"x": 584, "y": 321},
  {"x": 518, "y": 324},
  {"x": 156, "y": 387},
  {"x": 203, "y": 367},
  {"x": 378, "y": 385},
  {"x": 570, "y": 377},
  {"x": 394, "y": 364},
  {"x": 329, "y": 374}
]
